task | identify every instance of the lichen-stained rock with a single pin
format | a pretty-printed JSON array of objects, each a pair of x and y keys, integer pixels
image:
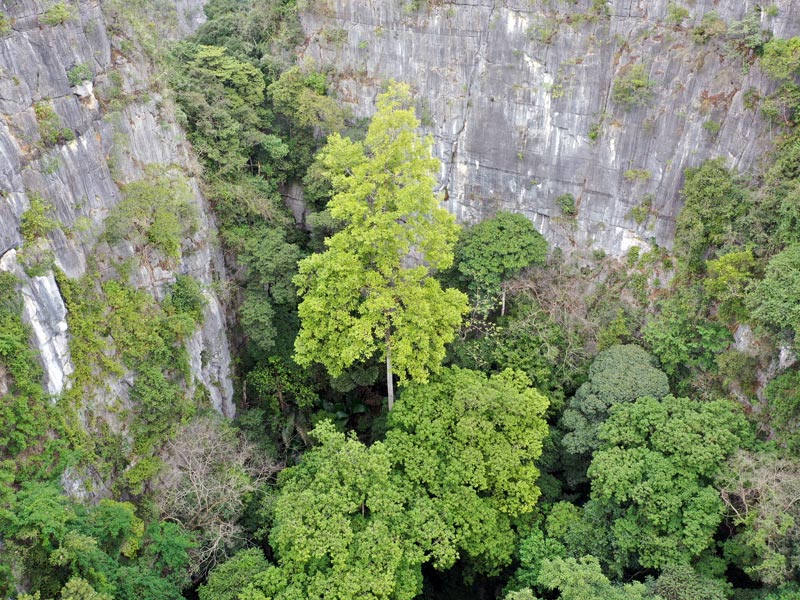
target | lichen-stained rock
[
  {"x": 81, "y": 116},
  {"x": 518, "y": 95}
]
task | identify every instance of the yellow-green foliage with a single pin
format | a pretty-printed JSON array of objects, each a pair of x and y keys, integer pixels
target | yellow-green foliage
[
  {"x": 633, "y": 87},
  {"x": 781, "y": 58},
  {"x": 58, "y": 14},
  {"x": 35, "y": 222},
  {"x": 51, "y": 131},
  {"x": 116, "y": 328},
  {"x": 637, "y": 174},
  {"x": 5, "y": 24},
  {"x": 676, "y": 14},
  {"x": 155, "y": 211},
  {"x": 24, "y": 407}
]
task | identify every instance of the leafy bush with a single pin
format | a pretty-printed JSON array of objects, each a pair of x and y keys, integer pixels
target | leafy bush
[
  {"x": 711, "y": 25},
  {"x": 676, "y": 14},
  {"x": 633, "y": 87},
  {"x": 682, "y": 336},
  {"x": 566, "y": 202},
  {"x": 186, "y": 298},
  {"x": 154, "y": 211},
  {"x": 782, "y": 105},
  {"x": 35, "y": 222},
  {"x": 783, "y": 395},
  {"x": 58, "y": 14},
  {"x": 222, "y": 98},
  {"x": 637, "y": 174},
  {"x": 5, "y": 24},
  {"x": 715, "y": 204},
  {"x": 712, "y": 127},
  {"x": 774, "y": 300},
  {"x": 79, "y": 73},
  {"x": 51, "y": 131},
  {"x": 781, "y": 58}
]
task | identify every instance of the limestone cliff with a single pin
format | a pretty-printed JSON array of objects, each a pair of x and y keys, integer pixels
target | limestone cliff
[
  {"x": 518, "y": 95},
  {"x": 111, "y": 123}
]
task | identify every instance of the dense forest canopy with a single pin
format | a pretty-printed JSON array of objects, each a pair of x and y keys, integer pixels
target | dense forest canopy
[{"x": 562, "y": 429}]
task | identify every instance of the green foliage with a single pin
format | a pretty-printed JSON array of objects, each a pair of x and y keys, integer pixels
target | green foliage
[
  {"x": 682, "y": 582},
  {"x": 300, "y": 94},
  {"x": 227, "y": 580},
  {"x": 657, "y": 464},
  {"x": 25, "y": 414},
  {"x": 156, "y": 212},
  {"x": 746, "y": 35},
  {"x": 35, "y": 222},
  {"x": 583, "y": 579},
  {"x": 5, "y": 24},
  {"x": 265, "y": 33},
  {"x": 271, "y": 262},
  {"x": 57, "y": 14},
  {"x": 100, "y": 551},
  {"x": 727, "y": 282},
  {"x": 712, "y": 127},
  {"x": 633, "y": 87},
  {"x": 637, "y": 175},
  {"x": 345, "y": 528},
  {"x": 353, "y": 521},
  {"x": 641, "y": 213},
  {"x": 714, "y": 206},
  {"x": 676, "y": 14},
  {"x": 185, "y": 297},
  {"x": 712, "y": 25},
  {"x": 160, "y": 406},
  {"x": 80, "y": 73},
  {"x": 116, "y": 327},
  {"x": 50, "y": 130},
  {"x": 477, "y": 476},
  {"x": 566, "y": 202},
  {"x": 497, "y": 249},
  {"x": 760, "y": 490},
  {"x": 781, "y": 107},
  {"x": 361, "y": 296},
  {"x": 222, "y": 98},
  {"x": 682, "y": 336},
  {"x": 619, "y": 374},
  {"x": 774, "y": 299},
  {"x": 781, "y": 58},
  {"x": 783, "y": 396}
]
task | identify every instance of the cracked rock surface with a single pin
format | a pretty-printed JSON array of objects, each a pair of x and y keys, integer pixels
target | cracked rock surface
[
  {"x": 518, "y": 97},
  {"x": 80, "y": 175}
]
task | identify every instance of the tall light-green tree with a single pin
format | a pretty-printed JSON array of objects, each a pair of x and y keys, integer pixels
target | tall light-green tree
[{"x": 371, "y": 290}]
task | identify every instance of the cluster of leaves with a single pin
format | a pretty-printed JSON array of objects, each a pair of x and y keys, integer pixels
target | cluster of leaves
[
  {"x": 5, "y": 24},
  {"x": 51, "y": 132},
  {"x": 35, "y": 222},
  {"x": 57, "y": 14},
  {"x": 367, "y": 292},
  {"x": 66, "y": 550},
  {"x": 633, "y": 87},
  {"x": 154, "y": 212},
  {"x": 80, "y": 73},
  {"x": 356, "y": 521},
  {"x": 115, "y": 328}
]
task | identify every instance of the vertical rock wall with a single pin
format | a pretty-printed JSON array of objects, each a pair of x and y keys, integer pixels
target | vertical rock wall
[
  {"x": 113, "y": 145},
  {"x": 518, "y": 97}
]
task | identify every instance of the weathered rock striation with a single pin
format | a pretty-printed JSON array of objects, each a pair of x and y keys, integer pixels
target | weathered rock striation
[
  {"x": 119, "y": 125},
  {"x": 518, "y": 96}
]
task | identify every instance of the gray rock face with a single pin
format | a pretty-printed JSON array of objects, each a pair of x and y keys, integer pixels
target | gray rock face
[
  {"x": 518, "y": 98},
  {"x": 113, "y": 145}
]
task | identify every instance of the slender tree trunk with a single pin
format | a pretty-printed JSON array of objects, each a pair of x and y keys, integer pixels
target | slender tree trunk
[
  {"x": 503, "y": 308},
  {"x": 389, "y": 382}
]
